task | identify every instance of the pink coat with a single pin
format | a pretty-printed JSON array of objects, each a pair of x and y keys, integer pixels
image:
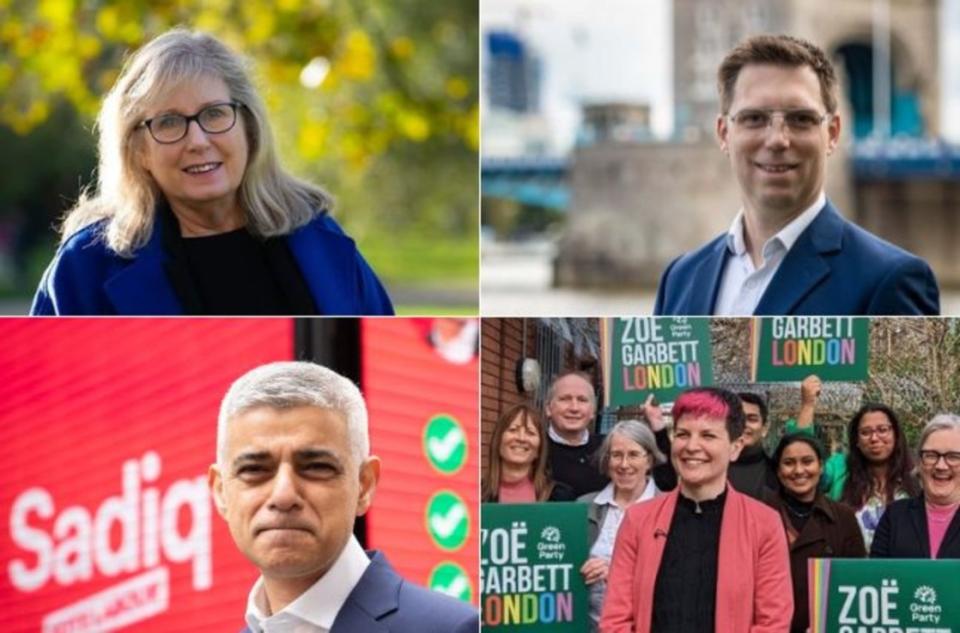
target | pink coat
[{"x": 754, "y": 594}]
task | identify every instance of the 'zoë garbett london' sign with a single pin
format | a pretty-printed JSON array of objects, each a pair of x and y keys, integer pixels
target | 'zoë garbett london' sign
[
  {"x": 530, "y": 558},
  {"x": 654, "y": 355},
  {"x": 884, "y": 596}
]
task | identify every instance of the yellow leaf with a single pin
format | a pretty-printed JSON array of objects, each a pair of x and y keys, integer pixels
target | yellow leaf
[
  {"x": 358, "y": 58},
  {"x": 263, "y": 23},
  {"x": 108, "y": 21},
  {"x": 88, "y": 46},
  {"x": 56, "y": 12},
  {"x": 457, "y": 87},
  {"x": 312, "y": 140},
  {"x": 471, "y": 128},
  {"x": 413, "y": 125},
  {"x": 401, "y": 47},
  {"x": 208, "y": 20}
]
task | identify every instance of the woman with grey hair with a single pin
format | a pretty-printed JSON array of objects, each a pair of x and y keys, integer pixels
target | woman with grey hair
[
  {"x": 927, "y": 526},
  {"x": 193, "y": 213},
  {"x": 627, "y": 455}
]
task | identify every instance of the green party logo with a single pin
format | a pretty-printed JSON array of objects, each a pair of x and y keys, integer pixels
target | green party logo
[
  {"x": 448, "y": 521},
  {"x": 445, "y": 444},
  {"x": 451, "y": 579}
]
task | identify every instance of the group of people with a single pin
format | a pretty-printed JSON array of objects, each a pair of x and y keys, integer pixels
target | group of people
[{"x": 707, "y": 513}]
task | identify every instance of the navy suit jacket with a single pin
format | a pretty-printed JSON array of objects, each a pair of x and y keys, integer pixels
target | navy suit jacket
[
  {"x": 903, "y": 533},
  {"x": 834, "y": 268},
  {"x": 384, "y": 602},
  {"x": 86, "y": 277}
]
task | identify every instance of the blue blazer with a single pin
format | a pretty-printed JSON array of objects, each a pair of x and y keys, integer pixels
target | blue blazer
[
  {"x": 86, "y": 277},
  {"x": 834, "y": 268},
  {"x": 383, "y": 602}
]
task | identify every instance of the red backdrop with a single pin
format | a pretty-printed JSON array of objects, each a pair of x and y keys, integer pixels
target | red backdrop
[{"x": 108, "y": 427}]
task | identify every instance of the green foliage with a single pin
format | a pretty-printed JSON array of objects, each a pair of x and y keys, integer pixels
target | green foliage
[{"x": 392, "y": 130}]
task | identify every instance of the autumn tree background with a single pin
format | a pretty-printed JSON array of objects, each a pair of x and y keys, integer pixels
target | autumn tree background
[{"x": 376, "y": 100}]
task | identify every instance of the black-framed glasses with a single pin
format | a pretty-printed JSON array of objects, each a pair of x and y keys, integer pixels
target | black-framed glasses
[
  {"x": 216, "y": 118},
  {"x": 797, "y": 121},
  {"x": 930, "y": 458}
]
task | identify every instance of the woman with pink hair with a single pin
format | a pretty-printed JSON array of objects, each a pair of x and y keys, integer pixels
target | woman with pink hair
[{"x": 704, "y": 557}]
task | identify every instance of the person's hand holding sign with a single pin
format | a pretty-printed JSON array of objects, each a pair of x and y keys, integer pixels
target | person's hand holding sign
[
  {"x": 595, "y": 570},
  {"x": 653, "y": 414},
  {"x": 810, "y": 390}
]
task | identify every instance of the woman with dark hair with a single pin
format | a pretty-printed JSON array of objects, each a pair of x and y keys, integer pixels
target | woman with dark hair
[
  {"x": 879, "y": 467},
  {"x": 517, "y": 466},
  {"x": 816, "y": 527}
]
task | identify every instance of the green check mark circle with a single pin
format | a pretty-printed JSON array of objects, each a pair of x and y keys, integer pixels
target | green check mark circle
[
  {"x": 451, "y": 579},
  {"x": 445, "y": 444},
  {"x": 448, "y": 520}
]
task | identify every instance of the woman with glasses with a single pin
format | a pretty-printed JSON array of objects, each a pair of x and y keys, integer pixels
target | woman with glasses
[
  {"x": 878, "y": 466},
  {"x": 816, "y": 527},
  {"x": 193, "y": 213},
  {"x": 627, "y": 456},
  {"x": 927, "y": 526}
]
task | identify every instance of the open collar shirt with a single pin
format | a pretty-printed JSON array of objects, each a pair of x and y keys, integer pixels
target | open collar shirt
[
  {"x": 743, "y": 284},
  {"x": 556, "y": 437},
  {"x": 316, "y": 608}
]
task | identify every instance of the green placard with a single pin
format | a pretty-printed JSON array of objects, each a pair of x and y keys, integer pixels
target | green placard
[
  {"x": 884, "y": 596},
  {"x": 791, "y": 348},
  {"x": 658, "y": 355},
  {"x": 530, "y": 558}
]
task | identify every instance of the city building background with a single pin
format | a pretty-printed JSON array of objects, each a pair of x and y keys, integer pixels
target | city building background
[{"x": 586, "y": 199}]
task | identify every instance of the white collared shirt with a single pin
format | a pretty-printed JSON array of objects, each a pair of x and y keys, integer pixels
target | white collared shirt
[
  {"x": 556, "y": 437},
  {"x": 742, "y": 285},
  {"x": 607, "y": 536},
  {"x": 316, "y": 608}
]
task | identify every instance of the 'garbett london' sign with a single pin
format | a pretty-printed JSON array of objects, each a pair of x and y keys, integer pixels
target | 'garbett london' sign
[{"x": 884, "y": 596}]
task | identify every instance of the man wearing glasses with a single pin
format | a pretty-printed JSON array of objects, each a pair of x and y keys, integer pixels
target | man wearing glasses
[{"x": 788, "y": 251}]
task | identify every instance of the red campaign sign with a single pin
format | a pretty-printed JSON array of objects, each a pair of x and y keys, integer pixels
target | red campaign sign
[
  {"x": 108, "y": 427},
  {"x": 420, "y": 379}
]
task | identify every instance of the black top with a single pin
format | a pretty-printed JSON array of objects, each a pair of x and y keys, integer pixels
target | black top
[
  {"x": 903, "y": 532},
  {"x": 575, "y": 466},
  {"x": 753, "y": 473},
  {"x": 797, "y": 511},
  {"x": 234, "y": 273},
  {"x": 685, "y": 593}
]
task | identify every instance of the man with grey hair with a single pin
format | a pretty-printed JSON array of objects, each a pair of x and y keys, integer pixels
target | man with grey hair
[
  {"x": 571, "y": 407},
  {"x": 293, "y": 472}
]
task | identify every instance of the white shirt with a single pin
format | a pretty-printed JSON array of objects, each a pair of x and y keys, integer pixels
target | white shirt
[
  {"x": 742, "y": 285},
  {"x": 583, "y": 439},
  {"x": 603, "y": 547},
  {"x": 316, "y": 608}
]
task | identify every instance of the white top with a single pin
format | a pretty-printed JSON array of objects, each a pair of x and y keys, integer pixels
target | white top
[
  {"x": 583, "y": 439},
  {"x": 316, "y": 608},
  {"x": 603, "y": 547},
  {"x": 742, "y": 285}
]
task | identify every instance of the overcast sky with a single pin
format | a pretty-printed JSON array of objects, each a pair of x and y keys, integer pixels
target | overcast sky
[{"x": 622, "y": 50}]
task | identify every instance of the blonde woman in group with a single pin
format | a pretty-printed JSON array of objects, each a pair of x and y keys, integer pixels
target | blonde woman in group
[{"x": 193, "y": 213}]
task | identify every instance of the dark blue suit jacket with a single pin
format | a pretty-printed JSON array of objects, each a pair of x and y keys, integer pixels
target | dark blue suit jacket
[
  {"x": 903, "y": 532},
  {"x": 85, "y": 277},
  {"x": 834, "y": 268},
  {"x": 384, "y": 602}
]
